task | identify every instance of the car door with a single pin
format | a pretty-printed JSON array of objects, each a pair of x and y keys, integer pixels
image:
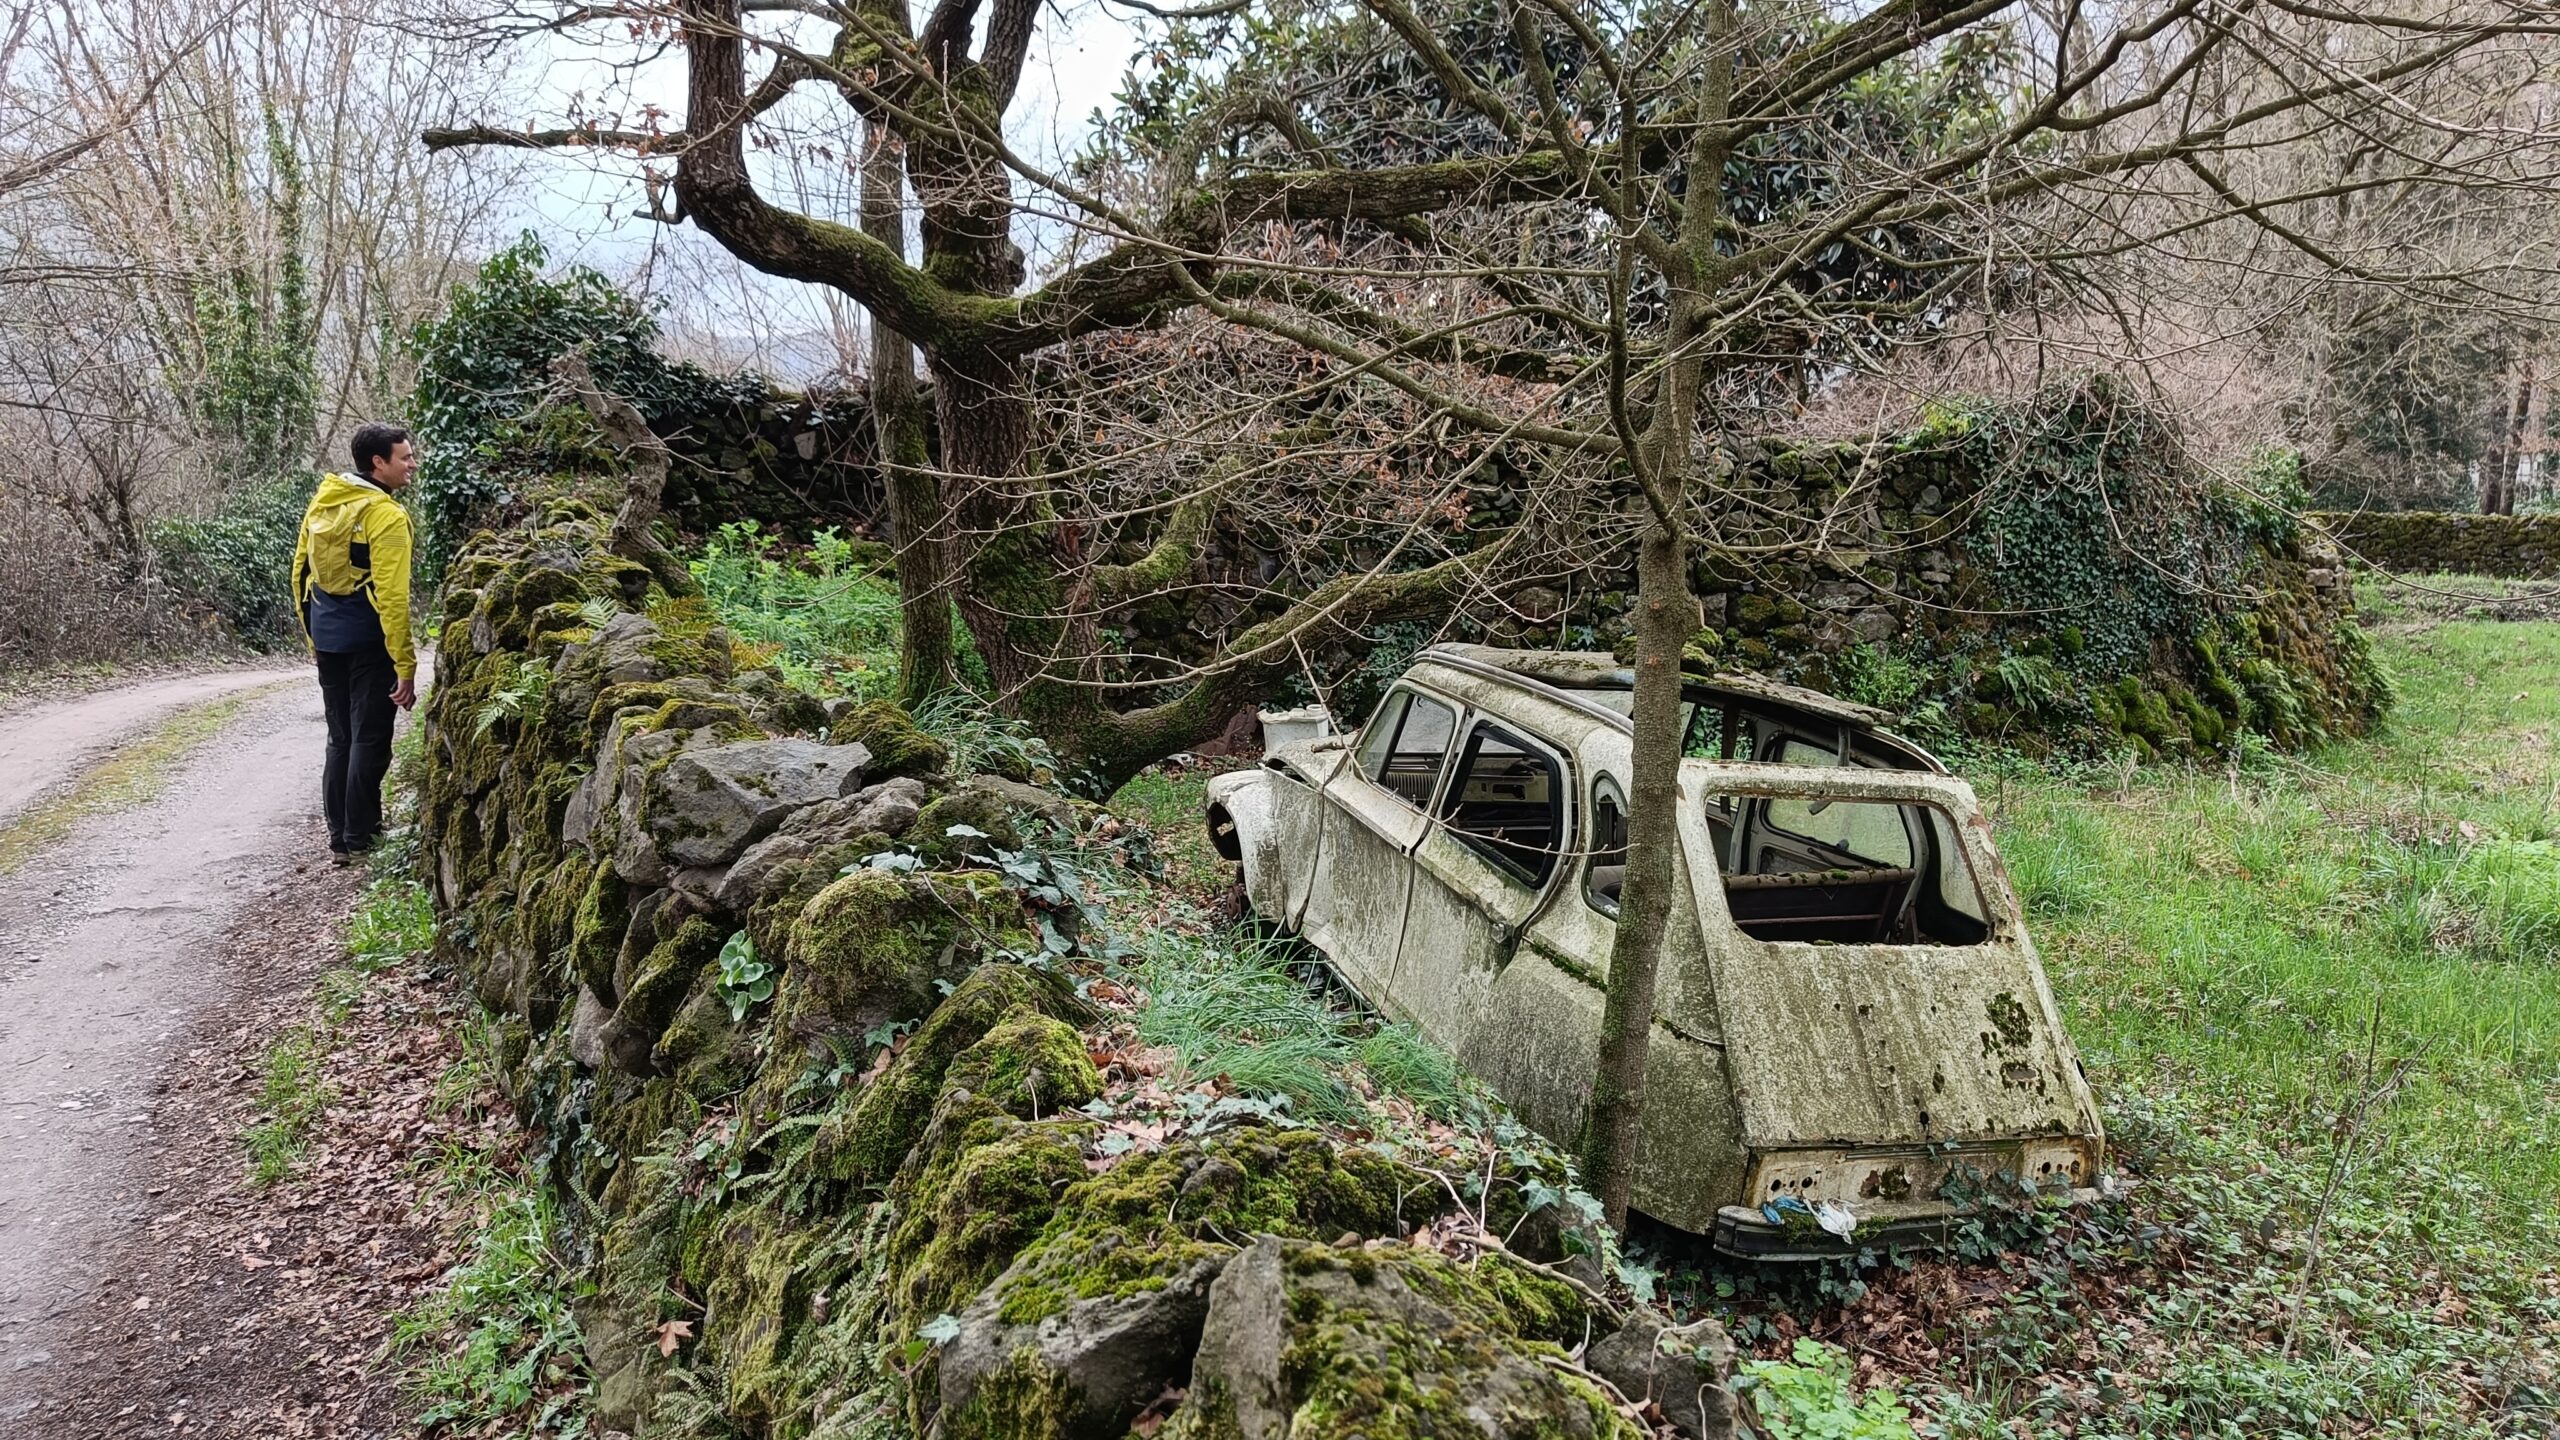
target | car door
[
  {"x": 1501, "y": 832},
  {"x": 1375, "y": 811}
]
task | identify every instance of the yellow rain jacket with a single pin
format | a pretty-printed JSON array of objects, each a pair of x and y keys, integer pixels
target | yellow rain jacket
[{"x": 355, "y": 537}]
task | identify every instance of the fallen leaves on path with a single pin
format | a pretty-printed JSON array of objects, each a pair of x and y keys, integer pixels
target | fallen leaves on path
[{"x": 238, "y": 1312}]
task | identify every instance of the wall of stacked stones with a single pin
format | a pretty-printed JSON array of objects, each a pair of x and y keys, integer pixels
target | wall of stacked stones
[
  {"x": 792, "y": 463},
  {"x": 1890, "y": 549},
  {"x": 2427, "y": 542},
  {"x": 821, "y": 1110}
]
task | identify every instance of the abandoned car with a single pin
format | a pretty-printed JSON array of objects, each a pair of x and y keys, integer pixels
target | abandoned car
[{"x": 1851, "y": 1029}]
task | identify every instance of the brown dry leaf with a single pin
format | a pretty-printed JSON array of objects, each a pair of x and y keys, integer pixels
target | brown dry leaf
[{"x": 672, "y": 1334}]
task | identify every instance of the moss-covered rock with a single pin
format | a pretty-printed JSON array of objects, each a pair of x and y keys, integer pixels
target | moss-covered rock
[
  {"x": 1151, "y": 1217},
  {"x": 877, "y": 945},
  {"x": 897, "y": 746},
  {"x": 1028, "y": 1065},
  {"x": 1319, "y": 1343},
  {"x": 866, "y": 1144},
  {"x": 967, "y": 809},
  {"x": 656, "y": 989},
  {"x": 596, "y": 933}
]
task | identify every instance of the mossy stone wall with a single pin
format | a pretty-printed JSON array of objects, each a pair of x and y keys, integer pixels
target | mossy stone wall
[
  {"x": 2051, "y": 574},
  {"x": 868, "y": 1236},
  {"x": 792, "y": 462},
  {"x": 2430, "y": 542}
]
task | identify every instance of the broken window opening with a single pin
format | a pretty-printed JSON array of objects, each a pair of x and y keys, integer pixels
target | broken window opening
[
  {"x": 1830, "y": 869},
  {"x": 1608, "y": 872},
  {"x": 1404, "y": 746},
  {"x": 1506, "y": 803}
]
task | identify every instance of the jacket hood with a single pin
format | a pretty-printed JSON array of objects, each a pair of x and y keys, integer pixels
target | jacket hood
[{"x": 337, "y": 489}]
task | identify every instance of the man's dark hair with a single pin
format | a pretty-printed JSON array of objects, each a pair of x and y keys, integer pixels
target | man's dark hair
[{"x": 373, "y": 442}]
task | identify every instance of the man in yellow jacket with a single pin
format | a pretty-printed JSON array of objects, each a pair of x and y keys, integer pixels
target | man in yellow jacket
[{"x": 351, "y": 588}]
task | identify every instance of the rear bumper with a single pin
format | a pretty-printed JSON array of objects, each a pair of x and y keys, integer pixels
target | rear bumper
[{"x": 1747, "y": 1234}]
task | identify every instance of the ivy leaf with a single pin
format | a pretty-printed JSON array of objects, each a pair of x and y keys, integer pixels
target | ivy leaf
[{"x": 939, "y": 1329}]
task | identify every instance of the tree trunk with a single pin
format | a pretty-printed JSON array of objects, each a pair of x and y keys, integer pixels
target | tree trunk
[
  {"x": 1665, "y": 618},
  {"x": 916, "y": 518},
  {"x": 2498, "y": 472},
  {"x": 1017, "y": 561}
]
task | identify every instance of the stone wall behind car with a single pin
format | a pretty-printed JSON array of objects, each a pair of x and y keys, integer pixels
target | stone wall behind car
[
  {"x": 2430, "y": 542},
  {"x": 815, "y": 1072},
  {"x": 2052, "y": 574}
]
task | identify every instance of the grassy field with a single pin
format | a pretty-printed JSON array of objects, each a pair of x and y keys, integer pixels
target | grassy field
[{"x": 2317, "y": 1000}]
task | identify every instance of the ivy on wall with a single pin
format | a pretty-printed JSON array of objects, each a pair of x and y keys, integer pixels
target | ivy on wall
[{"x": 490, "y": 422}]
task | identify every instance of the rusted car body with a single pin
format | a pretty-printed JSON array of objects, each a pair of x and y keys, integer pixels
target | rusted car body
[{"x": 1850, "y": 1012}]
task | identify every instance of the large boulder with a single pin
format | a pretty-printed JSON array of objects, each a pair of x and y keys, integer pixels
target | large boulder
[
  {"x": 1311, "y": 1342},
  {"x": 706, "y": 805}
]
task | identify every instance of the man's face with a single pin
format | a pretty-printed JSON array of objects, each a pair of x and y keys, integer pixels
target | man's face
[{"x": 391, "y": 472}]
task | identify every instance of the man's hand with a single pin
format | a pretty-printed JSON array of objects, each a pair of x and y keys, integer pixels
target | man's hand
[{"x": 405, "y": 694}]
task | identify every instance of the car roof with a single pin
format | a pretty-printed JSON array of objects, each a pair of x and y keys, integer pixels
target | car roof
[{"x": 1573, "y": 671}]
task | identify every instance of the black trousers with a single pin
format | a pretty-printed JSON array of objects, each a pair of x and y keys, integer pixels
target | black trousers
[{"x": 355, "y": 690}]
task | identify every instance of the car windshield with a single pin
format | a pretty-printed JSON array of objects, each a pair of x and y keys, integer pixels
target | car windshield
[{"x": 1845, "y": 871}]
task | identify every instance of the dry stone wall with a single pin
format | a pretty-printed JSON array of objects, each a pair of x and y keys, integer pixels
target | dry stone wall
[
  {"x": 2428, "y": 542},
  {"x": 826, "y": 1115},
  {"x": 2054, "y": 574}
]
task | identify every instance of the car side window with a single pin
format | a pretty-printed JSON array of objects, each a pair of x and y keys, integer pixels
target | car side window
[
  {"x": 1608, "y": 873},
  {"x": 1506, "y": 802},
  {"x": 1406, "y": 744}
]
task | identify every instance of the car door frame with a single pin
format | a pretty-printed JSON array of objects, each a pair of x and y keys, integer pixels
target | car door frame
[
  {"x": 1447, "y": 1022},
  {"x": 1385, "y": 828}
]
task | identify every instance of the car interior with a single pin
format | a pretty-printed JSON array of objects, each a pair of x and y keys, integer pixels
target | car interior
[
  {"x": 1841, "y": 871},
  {"x": 1507, "y": 802},
  {"x": 1403, "y": 747}
]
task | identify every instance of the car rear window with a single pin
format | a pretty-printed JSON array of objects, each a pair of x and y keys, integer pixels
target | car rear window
[{"x": 1846, "y": 871}]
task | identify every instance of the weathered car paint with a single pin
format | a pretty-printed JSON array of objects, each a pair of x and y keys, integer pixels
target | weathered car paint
[{"x": 1777, "y": 1066}]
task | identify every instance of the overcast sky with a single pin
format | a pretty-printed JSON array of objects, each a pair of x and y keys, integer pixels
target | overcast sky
[{"x": 590, "y": 209}]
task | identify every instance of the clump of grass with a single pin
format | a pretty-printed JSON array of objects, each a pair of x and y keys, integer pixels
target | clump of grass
[
  {"x": 396, "y": 921},
  {"x": 1242, "y": 1008},
  {"x": 497, "y": 1348},
  {"x": 498, "y": 1345},
  {"x": 291, "y": 1098}
]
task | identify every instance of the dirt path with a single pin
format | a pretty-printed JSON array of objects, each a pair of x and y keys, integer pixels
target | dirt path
[
  {"x": 112, "y": 957},
  {"x": 42, "y": 746}
]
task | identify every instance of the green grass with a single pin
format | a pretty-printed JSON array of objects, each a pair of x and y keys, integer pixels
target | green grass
[
  {"x": 829, "y": 619},
  {"x": 290, "y": 1098},
  {"x": 497, "y": 1348},
  {"x": 2241, "y": 931},
  {"x": 1232, "y": 1007},
  {"x": 2317, "y": 1004},
  {"x": 1173, "y": 804}
]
